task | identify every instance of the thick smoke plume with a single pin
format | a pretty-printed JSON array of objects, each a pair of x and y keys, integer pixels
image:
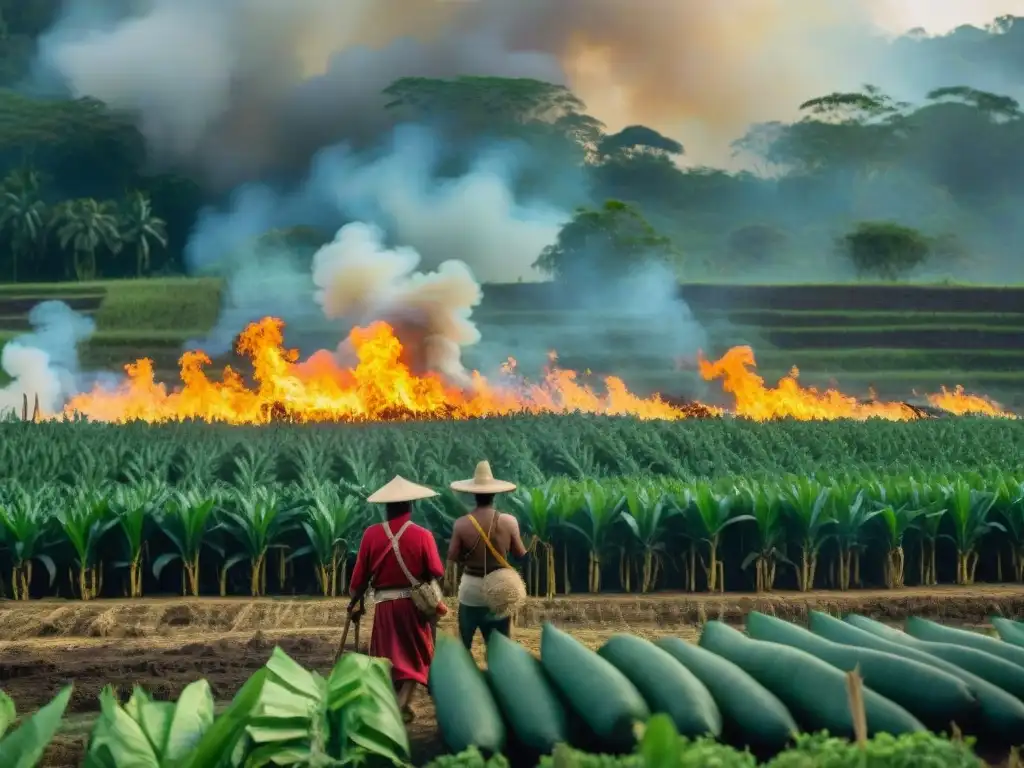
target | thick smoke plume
[
  {"x": 360, "y": 280},
  {"x": 473, "y": 219},
  {"x": 238, "y": 87},
  {"x": 44, "y": 363},
  {"x": 402, "y": 218}
]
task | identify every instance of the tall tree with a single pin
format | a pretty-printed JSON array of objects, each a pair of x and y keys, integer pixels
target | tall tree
[
  {"x": 498, "y": 107},
  {"x": 638, "y": 164},
  {"x": 607, "y": 241},
  {"x": 864, "y": 130},
  {"x": 84, "y": 227},
  {"x": 141, "y": 228},
  {"x": 23, "y": 215}
]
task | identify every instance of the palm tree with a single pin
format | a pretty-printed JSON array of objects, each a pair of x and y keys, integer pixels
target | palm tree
[
  {"x": 139, "y": 227},
  {"x": 85, "y": 226},
  {"x": 22, "y": 213}
]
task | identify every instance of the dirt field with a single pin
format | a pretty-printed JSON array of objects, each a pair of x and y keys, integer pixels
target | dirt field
[{"x": 164, "y": 644}]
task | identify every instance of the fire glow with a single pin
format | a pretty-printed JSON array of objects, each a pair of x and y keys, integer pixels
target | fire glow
[{"x": 381, "y": 387}]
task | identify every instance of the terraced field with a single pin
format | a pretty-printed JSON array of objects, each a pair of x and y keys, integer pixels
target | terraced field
[{"x": 892, "y": 340}]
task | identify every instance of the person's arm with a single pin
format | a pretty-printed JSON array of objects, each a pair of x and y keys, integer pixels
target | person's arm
[
  {"x": 432, "y": 565},
  {"x": 455, "y": 545},
  {"x": 360, "y": 579},
  {"x": 516, "y": 548}
]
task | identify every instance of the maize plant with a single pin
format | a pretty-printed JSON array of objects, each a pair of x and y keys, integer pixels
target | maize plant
[
  {"x": 1010, "y": 503},
  {"x": 932, "y": 500},
  {"x": 896, "y": 521},
  {"x": 766, "y": 508},
  {"x": 807, "y": 504},
  {"x": 707, "y": 514},
  {"x": 134, "y": 508},
  {"x": 25, "y": 534},
  {"x": 969, "y": 510},
  {"x": 601, "y": 509},
  {"x": 332, "y": 523},
  {"x": 648, "y": 517},
  {"x": 536, "y": 509},
  {"x": 255, "y": 518},
  {"x": 186, "y": 521},
  {"x": 851, "y": 514},
  {"x": 85, "y": 520}
]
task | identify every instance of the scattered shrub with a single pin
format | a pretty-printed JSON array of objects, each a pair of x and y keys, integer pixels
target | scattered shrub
[{"x": 884, "y": 249}]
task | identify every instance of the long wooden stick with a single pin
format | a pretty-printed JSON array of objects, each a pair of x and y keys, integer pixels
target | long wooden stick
[{"x": 344, "y": 637}]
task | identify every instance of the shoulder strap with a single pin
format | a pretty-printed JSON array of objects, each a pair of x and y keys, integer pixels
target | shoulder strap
[
  {"x": 486, "y": 539},
  {"x": 394, "y": 537}
]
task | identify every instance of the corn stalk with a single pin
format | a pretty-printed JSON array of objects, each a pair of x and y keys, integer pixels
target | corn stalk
[{"x": 807, "y": 507}]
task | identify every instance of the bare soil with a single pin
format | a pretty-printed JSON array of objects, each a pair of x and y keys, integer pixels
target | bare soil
[{"x": 164, "y": 644}]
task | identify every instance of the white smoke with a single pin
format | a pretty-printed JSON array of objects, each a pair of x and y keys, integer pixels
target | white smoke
[
  {"x": 360, "y": 280},
  {"x": 43, "y": 364},
  {"x": 473, "y": 219}
]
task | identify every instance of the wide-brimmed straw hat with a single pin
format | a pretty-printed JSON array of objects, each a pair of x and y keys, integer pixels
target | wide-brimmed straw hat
[
  {"x": 399, "y": 490},
  {"x": 482, "y": 482}
]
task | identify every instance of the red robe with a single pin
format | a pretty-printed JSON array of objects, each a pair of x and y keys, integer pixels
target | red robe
[{"x": 401, "y": 633}]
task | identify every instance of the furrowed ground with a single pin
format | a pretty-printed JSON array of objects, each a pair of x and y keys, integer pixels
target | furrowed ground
[
  {"x": 164, "y": 644},
  {"x": 892, "y": 340}
]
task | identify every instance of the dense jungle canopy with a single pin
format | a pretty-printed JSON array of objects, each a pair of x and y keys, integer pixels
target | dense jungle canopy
[{"x": 938, "y": 179}]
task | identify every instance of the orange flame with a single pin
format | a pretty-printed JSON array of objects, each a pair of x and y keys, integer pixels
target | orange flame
[{"x": 381, "y": 387}]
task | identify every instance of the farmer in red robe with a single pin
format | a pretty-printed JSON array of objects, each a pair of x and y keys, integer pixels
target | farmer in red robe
[{"x": 402, "y": 633}]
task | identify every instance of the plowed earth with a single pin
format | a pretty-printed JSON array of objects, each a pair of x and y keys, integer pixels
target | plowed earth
[{"x": 164, "y": 644}]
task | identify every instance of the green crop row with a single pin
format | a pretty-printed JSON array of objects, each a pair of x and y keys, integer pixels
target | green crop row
[
  {"x": 629, "y": 533},
  {"x": 636, "y": 507},
  {"x": 528, "y": 450}
]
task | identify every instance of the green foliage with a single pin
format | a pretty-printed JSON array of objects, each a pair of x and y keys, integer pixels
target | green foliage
[
  {"x": 607, "y": 241},
  {"x": 470, "y": 758},
  {"x": 284, "y": 715},
  {"x": 107, "y": 510},
  {"x": 24, "y": 746},
  {"x": 497, "y": 107},
  {"x": 884, "y": 249},
  {"x": 884, "y": 751},
  {"x": 174, "y": 306},
  {"x": 662, "y": 747},
  {"x": 638, "y": 139}
]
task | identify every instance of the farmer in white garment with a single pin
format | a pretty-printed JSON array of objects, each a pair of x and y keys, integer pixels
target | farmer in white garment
[{"x": 490, "y": 590}]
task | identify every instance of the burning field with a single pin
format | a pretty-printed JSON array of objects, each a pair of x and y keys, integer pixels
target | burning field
[
  {"x": 403, "y": 336},
  {"x": 382, "y": 385}
]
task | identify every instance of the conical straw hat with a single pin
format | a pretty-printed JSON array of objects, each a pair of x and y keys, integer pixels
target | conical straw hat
[
  {"x": 398, "y": 490},
  {"x": 482, "y": 482}
]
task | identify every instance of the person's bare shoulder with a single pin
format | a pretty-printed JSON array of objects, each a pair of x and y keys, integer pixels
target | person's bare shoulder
[
  {"x": 510, "y": 522},
  {"x": 460, "y": 525}
]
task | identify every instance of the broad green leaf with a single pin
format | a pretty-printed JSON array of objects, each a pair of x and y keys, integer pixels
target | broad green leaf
[
  {"x": 193, "y": 716},
  {"x": 222, "y": 738},
  {"x": 8, "y": 712},
  {"x": 24, "y": 747},
  {"x": 118, "y": 739}
]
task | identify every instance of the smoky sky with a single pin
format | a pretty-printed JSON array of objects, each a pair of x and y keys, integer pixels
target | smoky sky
[{"x": 237, "y": 89}]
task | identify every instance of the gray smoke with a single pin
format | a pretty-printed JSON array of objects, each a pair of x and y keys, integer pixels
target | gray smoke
[
  {"x": 473, "y": 219},
  {"x": 239, "y": 87},
  {"x": 44, "y": 362}
]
